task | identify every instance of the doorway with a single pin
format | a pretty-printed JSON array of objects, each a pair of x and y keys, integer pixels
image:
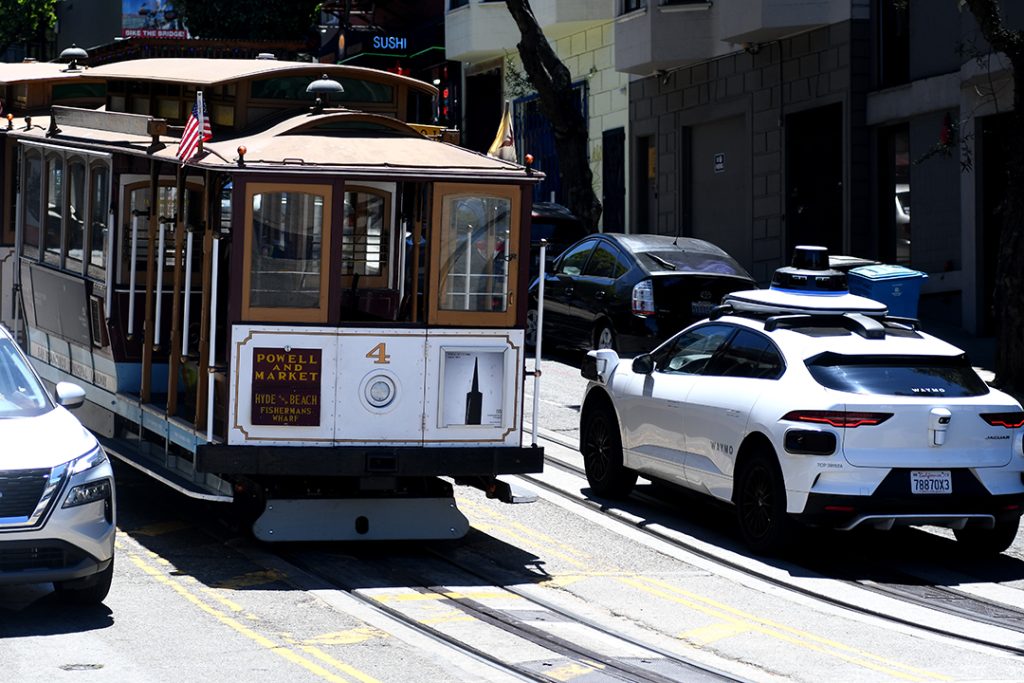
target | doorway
[{"x": 814, "y": 178}]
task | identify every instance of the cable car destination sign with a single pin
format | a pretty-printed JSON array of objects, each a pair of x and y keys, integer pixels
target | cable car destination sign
[{"x": 286, "y": 387}]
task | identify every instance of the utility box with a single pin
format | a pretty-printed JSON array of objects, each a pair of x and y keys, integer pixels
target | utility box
[{"x": 897, "y": 287}]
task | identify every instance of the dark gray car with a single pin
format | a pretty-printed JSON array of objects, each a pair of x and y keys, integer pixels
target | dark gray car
[{"x": 631, "y": 292}]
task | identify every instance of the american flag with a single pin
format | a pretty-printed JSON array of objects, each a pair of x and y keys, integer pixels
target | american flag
[{"x": 199, "y": 120}]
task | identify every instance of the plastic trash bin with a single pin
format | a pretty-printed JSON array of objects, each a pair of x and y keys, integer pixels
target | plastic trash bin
[{"x": 897, "y": 287}]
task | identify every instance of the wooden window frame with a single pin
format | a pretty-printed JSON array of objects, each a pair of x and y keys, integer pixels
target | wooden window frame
[
  {"x": 389, "y": 257},
  {"x": 439, "y": 243},
  {"x": 320, "y": 314}
]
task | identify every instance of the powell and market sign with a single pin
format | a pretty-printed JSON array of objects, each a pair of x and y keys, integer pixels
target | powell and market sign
[{"x": 286, "y": 387}]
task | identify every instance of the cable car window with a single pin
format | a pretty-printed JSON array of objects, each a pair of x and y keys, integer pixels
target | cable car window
[
  {"x": 54, "y": 208},
  {"x": 287, "y": 262},
  {"x": 293, "y": 88},
  {"x": 33, "y": 199},
  {"x": 99, "y": 192},
  {"x": 364, "y": 241},
  {"x": 475, "y": 277},
  {"x": 474, "y": 260},
  {"x": 138, "y": 213},
  {"x": 76, "y": 214}
]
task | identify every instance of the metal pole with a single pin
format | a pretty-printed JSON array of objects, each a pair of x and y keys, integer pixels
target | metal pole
[
  {"x": 213, "y": 341},
  {"x": 131, "y": 273},
  {"x": 161, "y": 260},
  {"x": 188, "y": 292},
  {"x": 537, "y": 344}
]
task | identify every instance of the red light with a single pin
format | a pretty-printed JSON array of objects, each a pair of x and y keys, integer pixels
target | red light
[
  {"x": 444, "y": 111},
  {"x": 839, "y": 508},
  {"x": 1011, "y": 420},
  {"x": 444, "y": 93},
  {"x": 838, "y": 418}
]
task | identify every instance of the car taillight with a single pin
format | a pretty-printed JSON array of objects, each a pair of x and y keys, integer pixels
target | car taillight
[
  {"x": 1010, "y": 420},
  {"x": 643, "y": 298},
  {"x": 838, "y": 418}
]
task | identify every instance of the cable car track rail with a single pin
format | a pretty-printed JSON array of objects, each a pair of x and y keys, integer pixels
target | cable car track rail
[
  {"x": 952, "y": 602},
  {"x": 658, "y": 666}
]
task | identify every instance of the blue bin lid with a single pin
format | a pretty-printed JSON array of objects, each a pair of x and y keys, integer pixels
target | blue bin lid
[{"x": 886, "y": 271}]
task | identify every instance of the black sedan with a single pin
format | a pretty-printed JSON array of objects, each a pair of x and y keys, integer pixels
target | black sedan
[{"x": 631, "y": 292}]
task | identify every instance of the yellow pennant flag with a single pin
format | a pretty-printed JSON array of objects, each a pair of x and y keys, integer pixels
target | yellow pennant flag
[{"x": 504, "y": 145}]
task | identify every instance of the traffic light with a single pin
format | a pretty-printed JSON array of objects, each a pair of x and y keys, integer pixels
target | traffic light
[{"x": 446, "y": 106}]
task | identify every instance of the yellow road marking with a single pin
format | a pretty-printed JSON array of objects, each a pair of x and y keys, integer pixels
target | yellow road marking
[
  {"x": 349, "y": 637},
  {"x": 749, "y": 622},
  {"x": 570, "y": 671},
  {"x": 341, "y": 666},
  {"x": 782, "y": 632},
  {"x": 177, "y": 584}
]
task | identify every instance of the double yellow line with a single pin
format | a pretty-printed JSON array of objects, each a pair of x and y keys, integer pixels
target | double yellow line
[
  {"x": 731, "y": 621},
  {"x": 229, "y": 613}
]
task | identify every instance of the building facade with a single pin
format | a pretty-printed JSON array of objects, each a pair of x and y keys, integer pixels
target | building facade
[
  {"x": 765, "y": 124},
  {"x": 482, "y": 35}
]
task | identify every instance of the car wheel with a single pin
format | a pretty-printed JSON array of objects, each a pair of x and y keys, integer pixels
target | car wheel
[
  {"x": 531, "y": 327},
  {"x": 979, "y": 541},
  {"x": 91, "y": 591},
  {"x": 601, "y": 446},
  {"x": 761, "y": 506},
  {"x": 604, "y": 336}
]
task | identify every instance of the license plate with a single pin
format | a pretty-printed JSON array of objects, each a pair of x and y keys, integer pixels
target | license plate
[
  {"x": 701, "y": 307},
  {"x": 931, "y": 481}
]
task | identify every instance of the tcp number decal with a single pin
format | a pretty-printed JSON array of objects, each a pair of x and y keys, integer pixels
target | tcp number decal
[{"x": 379, "y": 354}]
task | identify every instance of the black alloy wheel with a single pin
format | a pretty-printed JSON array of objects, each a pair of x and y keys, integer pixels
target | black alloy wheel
[
  {"x": 761, "y": 506},
  {"x": 601, "y": 447},
  {"x": 604, "y": 336}
]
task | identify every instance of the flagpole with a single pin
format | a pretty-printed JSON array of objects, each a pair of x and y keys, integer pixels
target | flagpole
[{"x": 201, "y": 117}]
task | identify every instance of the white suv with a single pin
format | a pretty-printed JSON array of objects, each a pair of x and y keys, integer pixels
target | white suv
[
  {"x": 805, "y": 403},
  {"x": 56, "y": 487}
]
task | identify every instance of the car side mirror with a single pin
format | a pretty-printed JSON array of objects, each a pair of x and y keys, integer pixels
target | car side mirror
[
  {"x": 69, "y": 395},
  {"x": 643, "y": 364}
]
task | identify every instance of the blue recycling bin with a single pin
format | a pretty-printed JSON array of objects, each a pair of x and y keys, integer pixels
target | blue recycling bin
[{"x": 897, "y": 287}]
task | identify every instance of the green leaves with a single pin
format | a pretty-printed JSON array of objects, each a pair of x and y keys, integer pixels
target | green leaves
[
  {"x": 249, "y": 19},
  {"x": 25, "y": 20}
]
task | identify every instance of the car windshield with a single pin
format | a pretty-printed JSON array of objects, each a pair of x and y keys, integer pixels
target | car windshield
[
  {"x": 897, "y": 376},
  {"x": 690, "y": 261},
  {"x": 21, "y": 394}
]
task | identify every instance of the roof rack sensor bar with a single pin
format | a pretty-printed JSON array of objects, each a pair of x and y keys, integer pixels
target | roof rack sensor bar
[{"x": 869, "y": 328}]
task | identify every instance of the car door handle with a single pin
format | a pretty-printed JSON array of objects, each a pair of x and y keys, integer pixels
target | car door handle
[
  {"x": 599, "y": 294},
  {"x": 568, "y": 290}
]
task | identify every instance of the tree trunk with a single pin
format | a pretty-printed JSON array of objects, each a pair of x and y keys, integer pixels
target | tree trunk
[
  {"x": 1009, "y": 287},
  {"x": 553, "y": 83}
]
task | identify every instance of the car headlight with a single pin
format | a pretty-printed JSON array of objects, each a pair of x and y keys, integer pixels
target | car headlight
[
  {"x": 88, "y": 493},
  {"x": 84, "y": 463}
]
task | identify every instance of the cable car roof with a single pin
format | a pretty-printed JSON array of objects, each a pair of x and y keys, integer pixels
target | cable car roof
[
  {"x": 23, "y": 72},
  {"x": 208, "y": 72},
  {"x": 333, "y": 141}
]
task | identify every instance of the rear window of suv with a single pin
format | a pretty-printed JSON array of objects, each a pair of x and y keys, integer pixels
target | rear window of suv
[{"x": 897, "y": 375}]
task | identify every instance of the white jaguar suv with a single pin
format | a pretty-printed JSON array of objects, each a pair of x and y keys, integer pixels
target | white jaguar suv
[{"x": 802, "y": 403}]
